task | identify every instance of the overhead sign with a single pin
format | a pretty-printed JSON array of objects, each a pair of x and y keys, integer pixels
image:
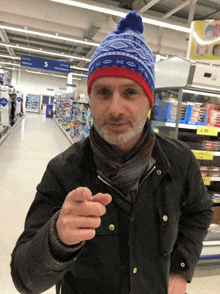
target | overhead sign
[
  {"x": 46, "y": 64},
  {"x": 204, "y": 41}
]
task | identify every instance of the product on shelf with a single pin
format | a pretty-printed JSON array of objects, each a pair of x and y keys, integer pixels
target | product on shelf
[
  {"x": 210, "y": 171},
  {"x": 214, "y": 115},
  {"x": 210, "y": 145},
  {"x": 74, "y": 115},
  {"x": 198, "y": 114},
  {"x": 166, "y": 111}
]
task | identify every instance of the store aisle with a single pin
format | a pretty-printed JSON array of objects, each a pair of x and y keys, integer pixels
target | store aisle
[
  {"x": 23, "y": 159},
  {"x": 24, "y": 155}
]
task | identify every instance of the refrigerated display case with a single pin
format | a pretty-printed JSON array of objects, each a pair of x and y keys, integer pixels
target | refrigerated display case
[
  {"x": 33, "y": 103},
  {"x": 187, "y": 107}
]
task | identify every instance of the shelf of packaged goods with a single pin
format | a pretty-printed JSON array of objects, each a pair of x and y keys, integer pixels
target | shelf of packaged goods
[
  {"x": 64, "y": 131},
  {"x": 216, "y": 200},
  {"x": 172, "y": 125},
  {"x": 215, "y": 153},
  {"x": 214, "y": 179}
]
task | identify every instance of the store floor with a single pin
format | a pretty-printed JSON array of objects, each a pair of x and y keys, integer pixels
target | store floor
[{"x": 24, "y": 155}]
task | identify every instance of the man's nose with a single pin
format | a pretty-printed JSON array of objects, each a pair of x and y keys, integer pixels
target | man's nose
[{"x": 116, "y": 105}]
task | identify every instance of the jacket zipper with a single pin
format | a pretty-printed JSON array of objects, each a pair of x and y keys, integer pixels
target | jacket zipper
[
  {"x": 107, "y": 183},
  {"x": 147, "y": 175}
]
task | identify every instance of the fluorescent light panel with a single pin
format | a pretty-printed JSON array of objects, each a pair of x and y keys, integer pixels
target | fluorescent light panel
[
  {"x": 42, "y": 51},
  {"x": 48, "y": 35},
  {"x": 77, "y": 74},
  {"x": 122, "y": 14},
  {"x": 46, "y": 74},
  {"x": 13, "y": 64},
  {"x": 10, "y": 68},
  {"x": 10, "y": 56},
  {"x": 79, "y": 68}
]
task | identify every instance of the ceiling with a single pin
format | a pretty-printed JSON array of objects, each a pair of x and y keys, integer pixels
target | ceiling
[{"x": 72, "y": 33}]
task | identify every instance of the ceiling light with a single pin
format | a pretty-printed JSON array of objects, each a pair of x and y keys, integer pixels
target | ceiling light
[
  {"x": 10, "y": 68},
  {"x": 77, "y": 74},
  {"x": 79, "y": 68},
  {"x": 76, "y": 79},
  {"x": 89, "y": 6},
  {"x": 48, "y": 35},
  {"x": 59, "y": 76},
  {"x": 14, "y": 64},
  {"x": 9, "y": 56},
  {"x": 120, "y": 12},
  {"x": 38, "y": 72},
  {"x": 42, "y": 51}
]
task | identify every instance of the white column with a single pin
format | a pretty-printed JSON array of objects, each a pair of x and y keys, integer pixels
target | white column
[{"x": 69, "y": 81}]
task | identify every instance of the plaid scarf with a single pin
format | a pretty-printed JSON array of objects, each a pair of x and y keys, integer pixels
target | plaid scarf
[{"x": 124, "y": 172}]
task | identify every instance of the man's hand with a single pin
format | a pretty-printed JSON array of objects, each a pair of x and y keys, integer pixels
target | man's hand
[
  {"x": 80, "y": 215},
  {"x": 177, "y": 284}
]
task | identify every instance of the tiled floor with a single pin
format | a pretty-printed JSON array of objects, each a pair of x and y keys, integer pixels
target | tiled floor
[{"x": 23, "y": 159}]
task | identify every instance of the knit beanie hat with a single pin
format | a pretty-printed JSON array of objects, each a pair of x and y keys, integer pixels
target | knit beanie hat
[{"x": 124, "y": 53}]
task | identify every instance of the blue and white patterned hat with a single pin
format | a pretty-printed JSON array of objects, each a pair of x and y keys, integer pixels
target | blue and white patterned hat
[{"x": 124, "y": 53}]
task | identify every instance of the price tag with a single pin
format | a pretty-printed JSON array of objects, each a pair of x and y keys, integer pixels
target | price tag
[
  {"x": 207, "y": 181},
  {"x": 203, "y": 155},
  {"x": 208, "y": 131}
]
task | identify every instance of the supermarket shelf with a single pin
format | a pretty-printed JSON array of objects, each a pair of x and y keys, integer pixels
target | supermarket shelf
[
  {"x": 216, "y": 200},
  {"x": 215, "y": 153},
  {"x": 215, "y": 179},
  {"x": 10, "y": 130},
  {"x": 173, "y": 125},
  {"x": 67, "y": 135},
  {"x": 211, "y": 243}
]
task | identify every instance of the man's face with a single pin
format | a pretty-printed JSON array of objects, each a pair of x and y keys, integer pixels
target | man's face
[{"x": 119, "y": 107}]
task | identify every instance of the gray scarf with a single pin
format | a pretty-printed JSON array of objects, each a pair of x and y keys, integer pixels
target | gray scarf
[{"x": 125, "y": 172}]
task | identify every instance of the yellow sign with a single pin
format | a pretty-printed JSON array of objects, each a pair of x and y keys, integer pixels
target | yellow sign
[
  {"x": 208, "y": 131},
  {"x": 203, "y": 155},
  {"x": 207, "y": 181},
  {"x": 204, "y": 40}
]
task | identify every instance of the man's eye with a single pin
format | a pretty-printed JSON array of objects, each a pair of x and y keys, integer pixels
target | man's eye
[
  {"x": 130, "y": 93},
  {"x": 103, "y": 93}
]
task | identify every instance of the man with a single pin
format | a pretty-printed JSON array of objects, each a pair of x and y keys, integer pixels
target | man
[{"x": 125, "y": 210}]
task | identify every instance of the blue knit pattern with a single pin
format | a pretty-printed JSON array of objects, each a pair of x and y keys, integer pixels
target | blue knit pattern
[{"x": 126, "y": 47}]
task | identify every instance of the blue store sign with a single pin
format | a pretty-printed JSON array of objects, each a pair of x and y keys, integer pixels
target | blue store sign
[
  {"x": 46, "y": 64},
  {"x": 3, "y": 101}
]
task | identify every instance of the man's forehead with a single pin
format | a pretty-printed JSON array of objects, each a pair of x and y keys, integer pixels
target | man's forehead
[{"x": 115, "y": 82}]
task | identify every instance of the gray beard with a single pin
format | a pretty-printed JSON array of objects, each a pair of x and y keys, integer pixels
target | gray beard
[{"x": 120, "y": 139}]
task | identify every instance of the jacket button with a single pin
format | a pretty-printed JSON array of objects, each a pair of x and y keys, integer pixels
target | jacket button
[
  {"x": 165, "y": 218},
  {"x": 135, "y": 270},
  {"x": 182, "y": 264},
  {"x": 159, "y": 172},
  {"x": 111, "y": 227}
]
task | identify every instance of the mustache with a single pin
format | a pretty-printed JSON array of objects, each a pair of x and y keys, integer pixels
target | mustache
[{"x": 120, "y": 118}]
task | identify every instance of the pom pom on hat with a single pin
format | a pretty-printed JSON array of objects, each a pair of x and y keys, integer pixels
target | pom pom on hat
[
  {"x": 132, "y": 21},
  {"x": 124, "y": 53}
]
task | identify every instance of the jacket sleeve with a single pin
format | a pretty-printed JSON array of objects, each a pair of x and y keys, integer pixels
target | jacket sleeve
[
  {"x": 34, "y": 268},
  {"x": 193, "y": 224}
]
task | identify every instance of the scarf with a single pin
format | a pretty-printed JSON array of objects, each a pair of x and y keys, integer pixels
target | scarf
[{"x": 124, "y": 172}]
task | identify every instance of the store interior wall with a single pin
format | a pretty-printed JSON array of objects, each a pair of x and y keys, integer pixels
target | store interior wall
[{"x": 30, "y": 83}]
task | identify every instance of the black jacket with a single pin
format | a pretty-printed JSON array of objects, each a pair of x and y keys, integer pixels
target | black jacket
[{"x": 136, "y": 247}]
